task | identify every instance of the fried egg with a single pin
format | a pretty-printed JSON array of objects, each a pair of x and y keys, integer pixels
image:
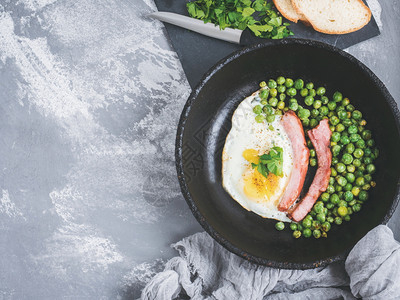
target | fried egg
[{"x": 247, "y": 140}]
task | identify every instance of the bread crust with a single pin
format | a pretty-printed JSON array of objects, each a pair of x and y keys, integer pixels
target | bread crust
[
  {"x": 299, "y": 11},
  {"x": 283, "y": 13}
]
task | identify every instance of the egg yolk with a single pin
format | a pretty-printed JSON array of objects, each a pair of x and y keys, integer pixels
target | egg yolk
[
  {"x": 251, "y": 156},
  {"x": 256, "y": 186}
]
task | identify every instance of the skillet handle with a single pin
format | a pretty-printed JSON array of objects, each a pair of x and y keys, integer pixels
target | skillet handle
[{"x": 247, "y": 38}]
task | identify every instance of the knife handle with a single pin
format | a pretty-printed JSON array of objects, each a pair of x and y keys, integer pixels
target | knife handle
[{"x": 247, "y": 38}]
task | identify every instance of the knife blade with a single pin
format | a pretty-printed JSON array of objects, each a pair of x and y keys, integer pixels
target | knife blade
[{"x": 236, "y": 36}]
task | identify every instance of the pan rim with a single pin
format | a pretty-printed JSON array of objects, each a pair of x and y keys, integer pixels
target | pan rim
[{"x": 179, "y": 144}]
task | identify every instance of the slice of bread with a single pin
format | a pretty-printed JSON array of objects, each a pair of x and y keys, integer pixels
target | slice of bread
[
  {"x": 287, "y": 10},
  {"x": 334, "y": 16}
]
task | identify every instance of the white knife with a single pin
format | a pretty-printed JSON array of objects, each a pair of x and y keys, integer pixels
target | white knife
[{"x": 237, "y": 36}]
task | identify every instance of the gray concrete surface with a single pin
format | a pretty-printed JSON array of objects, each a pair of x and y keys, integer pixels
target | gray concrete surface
[{"x": 90, "y": 95}]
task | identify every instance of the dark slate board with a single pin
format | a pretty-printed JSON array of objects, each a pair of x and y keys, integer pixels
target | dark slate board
[{"x": 198, "y": 53}]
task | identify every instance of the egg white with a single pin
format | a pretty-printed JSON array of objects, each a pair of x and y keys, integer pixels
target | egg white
[{"x": 246, "y": 133}]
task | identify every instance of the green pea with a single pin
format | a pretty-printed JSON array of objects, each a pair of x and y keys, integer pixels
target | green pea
[
  {"x": 337, "y": 97},
  {"x": 341, "y": 180},
  {"x": 363, "y": 196},
  {"x": 340, "y": 108},
  {"x": 338, "y": 188},
  {"x": 335, "y": 137},
  {"x": 339, "y": 127},
  {"x": 352, "y": 129},
  {"x": 314, "y": 113},
  {"x": 323, "y": 110},
  {"x": 330, "y": 219},
  {"x": 299, "y": 227},
  {"x": 336, "y": 150},
  {"x": 358, "y": 153},
  {"x": 280, "y": 80},
  {"x": 367, "y": 177},
  {"x": 291, "y": 92},
  {"x": 344, "y": 139},
  {"x": 293, "y": 106},
  {"x": 280, "y": 226},
  {"x": 357, "y": 115},
  {"x": 270, "y": 118},
  {"x": 313, "y": 162},
  {"x": 281, "y": 105},
  {"x": 345, "y": 101},
  {"x": 334, "y": 120},
  {"x": 319, "y": 207},
  {"x": 321, "y": 91},
  {"x": 299, "y": 84},
  {"x": 296, "y": 234},
  {"x": 310, "y": 85},
  {"x": 370, "y": 168},
  {"x": 312, "y": 153},
  {"x": 332, "y": 105},
  {"x": 264, "y": 93},
  {"x": 342, "y": 211},
  {"x": 260, "y": 118},
  {"x": 342, "y": 114},
  {"x": 273, "y": 102},
  {"x": 324, "y": 100},
  {"x": 366, "y": 187},
  {"x": 356, "y": 207},
  {"x": 303, "y": 92},
  {"x": 350, "y": 148},
  {"x": 370, "y": 143},
  {"x": 348, "y": 196},
  {"x": 334, "y": 199},
  {"x": 317, "y": 104},
  {"x": 326, "y": 226},
  {"x": 312, "y": 92},
  {"x": 347, "y": 122},
  {"x": 313, "y": 123},
  {"x": 330, "y": 189},
  {"x": 347, "y": 218},
  {"x": 307, "y": 232},
  {"x": 289, "y": 82},
  {"x": 357, "y": 162},
  {"x": 257, "y": 109},
  {"x": 325, "y": 197},
  {"x": 263, "y": 84},
  {"x": 306, "y": 223},
  {"x": 264, "y": 102},
  {"x": 355, "y": 190},
  {"x": 340, "y": 167},
  {"x": 338, "y": 220},
  {"x": 332, "y": 179},
  {"x": 350, "y": 108},
  {"x": 272, "y": 84},
  {"x": 317, "y": 233},
  {"x": 348, "y": 186},
  {"x": 329, "y": 206},
  {"x": 347, "y": 158},
  {"x": 366, "y": 134},
  {"x": 360, "y": 144},
  {"x": 367, "y": 151},
  {"x": 354, "y": 137},
  {"x": 268, "y": 110},
  {"x": 306, "y": 122},
  {"x": 293, "y": 226},
  {"x": 333, "y": 172},
  {"x": 309, "y": 100},
  {"x": 282, "y": 97},
  {"x": 360, "y": 181},
  {"x": 303, "y": 113},
  {"x": 376, "y": 152},
  {"x": 281, "y": 88},
  {"x": 335, "y": 160},
  {"x": 351, "y": 168},
  {"x": 321, "y": 218},
  {"x": 367, "y": 160}
]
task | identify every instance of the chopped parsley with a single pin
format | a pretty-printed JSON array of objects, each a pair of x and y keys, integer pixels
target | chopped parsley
[
  {"x": 270, "y": 162},
  {"x": 259, "y": 16}
]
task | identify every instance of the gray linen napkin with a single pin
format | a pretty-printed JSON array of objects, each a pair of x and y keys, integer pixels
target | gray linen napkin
[{"x": 205, "y": 270}]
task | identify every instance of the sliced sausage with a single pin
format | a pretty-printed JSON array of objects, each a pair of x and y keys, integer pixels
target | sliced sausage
[
  {"x": 301, "y": 153},
  {"x": 320, "y": 137}
]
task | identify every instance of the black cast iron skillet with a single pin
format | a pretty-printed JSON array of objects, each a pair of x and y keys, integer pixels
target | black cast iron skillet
[{"x": 206, "y": 121}]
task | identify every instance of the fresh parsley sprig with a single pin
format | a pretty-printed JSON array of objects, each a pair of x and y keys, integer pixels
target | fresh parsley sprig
[
  {"x": 270, "y": 162},
  {"x": 257, "y": 15}
]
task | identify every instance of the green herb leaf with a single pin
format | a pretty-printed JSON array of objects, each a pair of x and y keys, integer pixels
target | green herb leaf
[
  {"x": 271, "y": 162},
  {"x": 260, "y": 16}
]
